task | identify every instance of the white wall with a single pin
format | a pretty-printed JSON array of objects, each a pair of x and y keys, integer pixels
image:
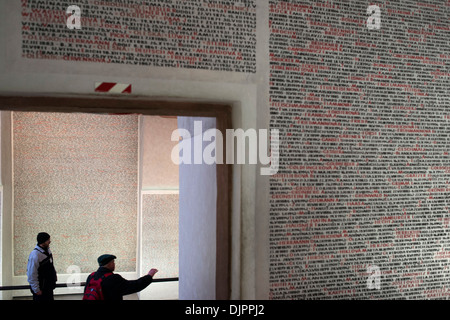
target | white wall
[{"x": 6, "y": 232}]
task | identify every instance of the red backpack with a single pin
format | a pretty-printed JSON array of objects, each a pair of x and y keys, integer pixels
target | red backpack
[{"x": 94, "y": 287}]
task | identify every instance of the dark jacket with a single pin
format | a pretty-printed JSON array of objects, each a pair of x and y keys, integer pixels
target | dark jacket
[
  {"x": 40, "y": 270},
  {"x": 114, "y": 287}
]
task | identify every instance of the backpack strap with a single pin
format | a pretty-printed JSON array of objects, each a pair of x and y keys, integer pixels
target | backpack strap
[
  {"x": 94, "y": 274},
  {"x": 44, "y": 252},
  {"x": 88, "y": 280}
]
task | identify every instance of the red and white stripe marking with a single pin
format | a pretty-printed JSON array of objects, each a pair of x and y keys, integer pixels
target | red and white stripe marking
[{"x": 112, "y": 87}]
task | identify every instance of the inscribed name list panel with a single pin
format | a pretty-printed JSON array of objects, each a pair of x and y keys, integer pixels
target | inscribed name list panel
[
  {"x": 160, "y": 233},
  {"x": 75, "y": 177},
  {"x": 364, "y": 165},
  {"x": 195, "y": 34}
]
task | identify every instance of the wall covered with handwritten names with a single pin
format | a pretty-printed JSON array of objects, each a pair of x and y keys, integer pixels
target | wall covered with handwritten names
[
  {"x": 363, "y": 184},
  {"x": 75, "y": 177},
  {"x": 361, "y": 192}
]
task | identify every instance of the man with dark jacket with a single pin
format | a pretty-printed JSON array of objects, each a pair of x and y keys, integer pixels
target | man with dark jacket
[
  {"x": 40, "y": 270},
  {"x": 114, "y": 286}
]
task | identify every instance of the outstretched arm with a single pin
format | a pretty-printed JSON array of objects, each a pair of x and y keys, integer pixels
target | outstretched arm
[{"x": 132, "y": 286}]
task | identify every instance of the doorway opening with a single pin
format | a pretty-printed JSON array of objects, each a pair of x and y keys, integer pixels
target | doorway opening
[{"x": 216, "y": 229}]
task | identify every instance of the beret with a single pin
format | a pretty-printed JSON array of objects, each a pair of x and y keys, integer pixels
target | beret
[{"x": 105, "y": 258}]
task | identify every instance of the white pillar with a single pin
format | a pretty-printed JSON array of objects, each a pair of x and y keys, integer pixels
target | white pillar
[{"x": 197, "y": 229}]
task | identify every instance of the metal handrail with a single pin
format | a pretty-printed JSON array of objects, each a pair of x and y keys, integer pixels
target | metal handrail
[{"x": 81, "y": 284}]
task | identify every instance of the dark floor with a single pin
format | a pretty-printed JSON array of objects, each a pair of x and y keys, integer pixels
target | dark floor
[{"x": 76, "y": 297}]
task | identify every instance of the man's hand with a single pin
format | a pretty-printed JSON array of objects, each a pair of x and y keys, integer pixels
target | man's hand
[
  {"x": 39, "y": 293},
  {"x": 152, "y": 272}
]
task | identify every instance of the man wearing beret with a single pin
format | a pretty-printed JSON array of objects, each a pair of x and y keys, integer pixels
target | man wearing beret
[
  {"x": 40, "y": 270},
  {"x": 114, "y": 286}
]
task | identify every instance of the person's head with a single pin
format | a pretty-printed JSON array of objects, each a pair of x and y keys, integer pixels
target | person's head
[
  {"x": 107, "y": 261},
  {"x": 43, "y": 240}
]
